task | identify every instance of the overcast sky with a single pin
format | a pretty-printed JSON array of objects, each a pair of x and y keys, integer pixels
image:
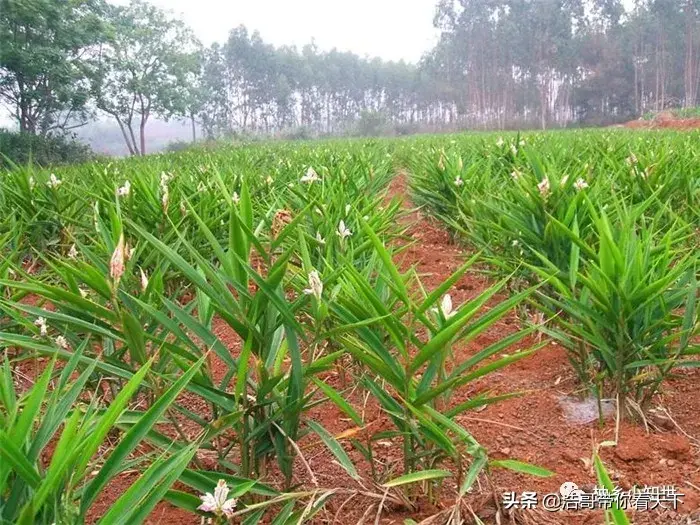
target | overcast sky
[{"x": 390, "y": 29}]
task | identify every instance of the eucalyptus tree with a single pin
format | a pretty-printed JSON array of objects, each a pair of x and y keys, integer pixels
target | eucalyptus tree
[
  {"x": 145, "y": 69},
  {"x": 215, "y": 108}
]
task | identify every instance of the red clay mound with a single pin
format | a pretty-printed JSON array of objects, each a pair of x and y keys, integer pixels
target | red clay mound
[{"x": 665, "y": 120}]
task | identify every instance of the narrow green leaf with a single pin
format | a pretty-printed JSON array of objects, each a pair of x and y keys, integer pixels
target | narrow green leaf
[{"x": 415, "y": 477}]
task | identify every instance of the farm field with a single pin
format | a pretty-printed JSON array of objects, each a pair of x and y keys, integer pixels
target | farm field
[{"x": 352, "y": 331}]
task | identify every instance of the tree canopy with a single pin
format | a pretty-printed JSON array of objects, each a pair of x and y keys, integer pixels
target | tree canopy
[
  {"x": 145, "y": 69},
  {"x": 48, "y": 57}
]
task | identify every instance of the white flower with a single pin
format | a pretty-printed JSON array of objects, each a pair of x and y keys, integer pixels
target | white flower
[
  {"x": 62, "y": 343},
  {"x": 522, "y": 142},
  {"x": 116, "y": 263},
  {"x": 235, "y": 197},
  {"x": 343, "y": 232},
  {"x": 315, "y": 285},
  {"x": 311, "y": 176},
  {"x": 269, "y": 180},
  {"x": 144, "y": 280},
  {"x": 347, "y": 209},
  {"x": 515, "y": 174},
  {"x": 54, "y": 182},
  {"x": 165, "y": 198},
  {"x": 124, "y": 190},
  {"x": 446, "y": 307},
  {"x": 31, "y": 182},
  {"x": 499, "y": 142},
  {"x": 515, "y": 242},
  {"x": 459, "y": 181},
  {"x": 544, "y": 187},
  {"x": 513, "y": 149},
  {"x": 96, "y": 216},
  {"x": 564, "y": 180},
  {"x": 580, "y": 184},
  {"x": 631, "y": 160},
  {"x": 83, "y": 292},
  {"x": 217, "y": 503},
  {"x": 73, "y": 252},
  {"x": 165, "y": 194},
  {"x": 41, "y": 323},
  {"x": 320, "y": 239}
]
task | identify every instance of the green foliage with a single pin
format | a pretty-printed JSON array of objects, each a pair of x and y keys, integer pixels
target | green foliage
[
  {"x": 371, "y": 124},
  {"x": 415, "y": 387},
  {"x": 629, "y": 310},
  {"x": 610, "y": 232},
  {"x": 209, "y": 296},
  {"x": 616, "y": 515},
  {"x": 39, "y": 484},
  {"x": 135, "y": 61},
  {"x": 25, "y": 148},
  {"x": 146, "y": 69},
  {"x": 219, "y": 287},
  {"x": 178, "y": 145},
  {"x": 48, "y": 61}
]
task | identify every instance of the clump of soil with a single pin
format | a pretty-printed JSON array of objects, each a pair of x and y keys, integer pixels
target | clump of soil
[{"x": 665, "y": 120}]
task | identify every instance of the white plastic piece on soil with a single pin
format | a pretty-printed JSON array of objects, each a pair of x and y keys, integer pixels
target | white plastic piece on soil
[{"x": 584, "y": 411}]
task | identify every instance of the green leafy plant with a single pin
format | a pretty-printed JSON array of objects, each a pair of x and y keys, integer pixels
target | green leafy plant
[
  {"x": 627, "y": 312},
  {"x": 52, "y": 436},
  {"x": 413, "y": 379},
  {"x": 615, "y": 515}
]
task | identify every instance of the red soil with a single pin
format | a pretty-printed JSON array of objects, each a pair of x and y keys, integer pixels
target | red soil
[{"x": 665, "y": 120}]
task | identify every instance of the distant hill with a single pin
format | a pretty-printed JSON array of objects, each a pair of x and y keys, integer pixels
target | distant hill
[{"x": 104, "y": 136}]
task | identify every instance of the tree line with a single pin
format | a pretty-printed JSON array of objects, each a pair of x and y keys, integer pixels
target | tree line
[
  {"x": 552, "y": 62},
  {"x": 497, "y": 64}
]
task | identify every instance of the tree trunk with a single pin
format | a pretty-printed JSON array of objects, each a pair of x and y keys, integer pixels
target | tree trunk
[
  {"x": 130, "y": 127},
  {"x": 663, "y": 74},
  {"x": 689, "y": 74},
  {"x": 194, "y": 128},
  {"x": 126, "y": 137},
  {"x": 658, "y": 79},
  {"x": 544, "y": 99},
  {"x": 636, "y": 84},
  {"x": 142, "y": 133}
]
